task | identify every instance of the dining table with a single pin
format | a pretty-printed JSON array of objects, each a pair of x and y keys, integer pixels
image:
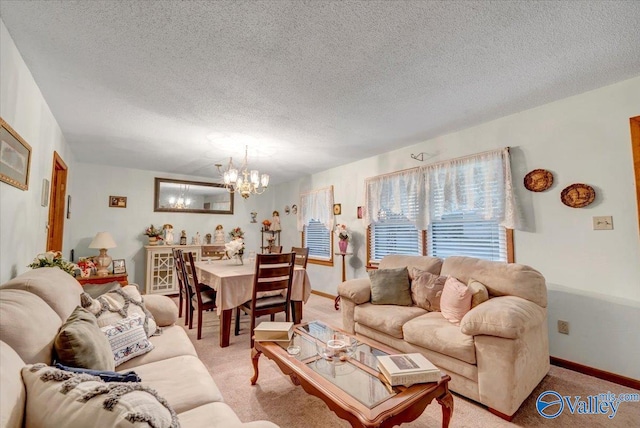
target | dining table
[{"x": 233, "y": 283}]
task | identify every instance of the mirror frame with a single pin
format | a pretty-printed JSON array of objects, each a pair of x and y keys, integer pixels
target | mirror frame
[{"x": 156, "y": 203}]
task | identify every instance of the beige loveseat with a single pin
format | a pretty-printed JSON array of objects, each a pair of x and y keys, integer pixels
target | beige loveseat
[
  {"x": 500, "y": 351},
  {"x": 34, "y": 305}
]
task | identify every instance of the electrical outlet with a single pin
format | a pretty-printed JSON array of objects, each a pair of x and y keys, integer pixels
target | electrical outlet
[
  {"x": 603, "y": 223},
  {"x": 563, "y": 327}
]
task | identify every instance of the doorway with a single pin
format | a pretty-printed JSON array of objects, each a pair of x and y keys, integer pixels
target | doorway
[
  {"x": 56, "y": 207},
  {"x": 635, "y": 149}
]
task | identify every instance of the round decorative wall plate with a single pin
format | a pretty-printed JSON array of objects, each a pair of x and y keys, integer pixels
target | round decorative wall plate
[
  {"x": 577, "y": 195},
  {"x": 538, "y": 180}
]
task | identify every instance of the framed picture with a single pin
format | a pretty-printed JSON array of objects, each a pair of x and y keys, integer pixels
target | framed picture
[
  {"x": 118, "y": 201},
  {"x": 359, "y": 212},
  {"x": 44, "y": 197},
  {"x": 119, "y": 267},
  {"x": 337, "y": 209},
  {"x": 15, "y": 157}
]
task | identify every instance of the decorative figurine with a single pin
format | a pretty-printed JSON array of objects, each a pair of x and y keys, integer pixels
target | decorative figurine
[
  {"x": 207, "y": 238},
  {"x": 219, "y": 238},
  {"x": 253, "y": 217},
  {"x": 183, "y": 237},
  {"x": 275, "y": 222},
  {"x": 168, "y": 234},
  {"x": 198, "y": 240}
]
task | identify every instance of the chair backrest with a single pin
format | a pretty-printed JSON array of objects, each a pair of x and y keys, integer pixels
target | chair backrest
[
  {"x": 178, "y": 264},
  {"x": 192, "y": 276},
  {"x": 214, "y": 251},
  {"x": 302, "y": 255},
  {"x": 275, "y": 249},
  {"x": 273, "y": 272}
]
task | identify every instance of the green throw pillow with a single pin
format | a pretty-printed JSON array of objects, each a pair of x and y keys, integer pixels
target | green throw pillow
[
  {"x": 390, "y": 287},
  {"x": 80, "y": 343}
]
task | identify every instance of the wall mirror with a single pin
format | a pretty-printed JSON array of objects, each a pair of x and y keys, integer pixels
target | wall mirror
[{"x": 182, "y": 196}]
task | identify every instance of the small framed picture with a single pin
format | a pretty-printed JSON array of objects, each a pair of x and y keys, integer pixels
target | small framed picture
[
  {"x": 118, "y": 201},
  {"x": 337, "y": 209},
  {"x": 119, "y": 267},
  {"x": 359, "y": 212}
]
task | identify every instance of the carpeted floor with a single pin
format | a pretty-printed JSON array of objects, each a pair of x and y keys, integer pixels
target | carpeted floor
[{"x": 276, "y": 399}]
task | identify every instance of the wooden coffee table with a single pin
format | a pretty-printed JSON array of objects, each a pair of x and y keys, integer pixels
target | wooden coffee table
[{"x": 353, "y": 389}]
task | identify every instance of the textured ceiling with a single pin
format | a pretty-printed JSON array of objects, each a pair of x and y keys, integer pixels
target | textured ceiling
[{"x": 178, "y": 86}]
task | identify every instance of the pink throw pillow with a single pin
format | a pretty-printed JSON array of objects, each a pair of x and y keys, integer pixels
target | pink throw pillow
[{"x": 455, "y": 301}]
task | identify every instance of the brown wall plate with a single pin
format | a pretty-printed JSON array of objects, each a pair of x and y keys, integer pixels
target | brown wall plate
[
  {"x": 577, "y": 195},
  {"x": 538, "y": 180}
]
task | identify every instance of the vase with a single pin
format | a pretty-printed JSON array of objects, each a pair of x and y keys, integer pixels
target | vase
[
  {"x": 153, "y": 240},
  {"x": 343, "y": 244},
  {"x": 239, "y": 258}
]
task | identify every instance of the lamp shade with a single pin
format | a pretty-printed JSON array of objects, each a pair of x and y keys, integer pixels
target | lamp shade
[{"x": 103, "y": 240}]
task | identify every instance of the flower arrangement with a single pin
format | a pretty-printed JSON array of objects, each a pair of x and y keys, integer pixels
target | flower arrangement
[
  {"x": 53, "y": 259},
  {"x": 342, "y": 232},
  {"x": 236, "y": 233},
  {"x": 234, "y": 247},
  {"x": 266, "y": 224},
  {"x": 153, "y": 232},
  {"x": 86, "y": 265}
]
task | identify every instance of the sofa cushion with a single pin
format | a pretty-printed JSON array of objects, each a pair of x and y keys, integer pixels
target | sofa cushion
[
  {"x": 426, "y": 289},
  {"x": 57, "y": 398},
  {"x": 430, "y": 264},
  {"x": 432, "y": 331},
  {"x": 390, "y": 287},
  {"x": 173, "y": 342},
  {"x": 80, "y": 343},
  {"x": 163, "y": 309},
  {"x": 479, "y": 292},
  {"x": 184, "y": 381},
  {"x": 455, "y": 301},
  {"x": 13, "y": 396},
  {"x": 388, "y": 319},
  {"x": 127, "y": 338},
  {"x": 25, "y": 315},
  {"x": 501, "y": 279},
  {"x": 57, "y": 288},
  {"x": 357, "y": 290},
  {"x": 507, "y": 316},
  {"x": 117, "y": 304}
]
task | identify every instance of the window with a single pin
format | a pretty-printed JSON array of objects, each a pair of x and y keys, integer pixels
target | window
[
  {"x": 317, "y": 238},
  {"x": 394, "y": 237},
  {"x": 467, "y": 235}
]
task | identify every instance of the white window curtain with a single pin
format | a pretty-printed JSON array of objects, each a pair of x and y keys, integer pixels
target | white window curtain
[
  {"x": 395, "y": 195},
  {"x": 479, "y": 184},
  {"x": 316, "y": 205}
]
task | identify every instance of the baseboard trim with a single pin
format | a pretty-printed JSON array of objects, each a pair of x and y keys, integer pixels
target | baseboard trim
[
  {"x": 600, "y": 374},
  {"x": 321, "y": 294}
]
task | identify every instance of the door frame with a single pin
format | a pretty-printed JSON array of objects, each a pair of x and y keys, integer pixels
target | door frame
[
  {"x": 55, "y": 225},
  {"x": 634, "y": 124}
]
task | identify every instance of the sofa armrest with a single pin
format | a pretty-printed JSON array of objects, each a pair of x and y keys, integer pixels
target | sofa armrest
[
  {"x": 507, "y": 316},
  {"x": 357, "y": 290},
  {"x": 163, "y": 309}
]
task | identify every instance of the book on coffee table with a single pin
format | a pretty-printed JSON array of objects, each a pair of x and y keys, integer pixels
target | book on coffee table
[
  {"x": 407, "y": 369},
  {"x": 273, "y": 331}
]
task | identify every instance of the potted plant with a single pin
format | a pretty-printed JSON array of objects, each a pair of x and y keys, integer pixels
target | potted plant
[
  {"x": 343, "y": 235},
  {"x": 154, "y": 234}
]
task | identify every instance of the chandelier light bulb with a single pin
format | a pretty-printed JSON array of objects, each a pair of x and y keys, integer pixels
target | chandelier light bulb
[
  {"x": 233, "y": 175},
  {"x": 264, "y": 180}
]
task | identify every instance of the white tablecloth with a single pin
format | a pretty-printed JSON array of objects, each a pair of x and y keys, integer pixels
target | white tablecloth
[{"x": 234, "y": 282}]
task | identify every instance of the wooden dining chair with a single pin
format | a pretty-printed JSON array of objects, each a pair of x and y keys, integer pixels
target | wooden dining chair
[
  {"x": 302, "y": 256},
  {"x": 183, "y": 298},
  {"x": 275, "y": 249},
  {"x": 202, "y": 296},
  {"x": 274, "y": 272}
]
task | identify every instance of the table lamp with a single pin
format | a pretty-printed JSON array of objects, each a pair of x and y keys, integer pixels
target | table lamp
[{"x": 102, "y": 241}]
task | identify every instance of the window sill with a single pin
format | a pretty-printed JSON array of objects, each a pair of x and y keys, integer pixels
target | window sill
[{"x": 321, "y": 262}]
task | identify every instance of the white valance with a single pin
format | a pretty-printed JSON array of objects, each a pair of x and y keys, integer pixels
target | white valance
[
  {"x": 316, "y": 205},
  {"x": 394, "y": 195}
]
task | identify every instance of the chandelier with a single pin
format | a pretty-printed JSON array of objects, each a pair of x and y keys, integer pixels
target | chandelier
[
  {"x": 182, "y": 201},
  {"x": 242, "y": 180}
]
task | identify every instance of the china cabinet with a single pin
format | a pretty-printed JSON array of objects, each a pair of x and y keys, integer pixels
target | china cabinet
[{"x": 161, "y": 277}]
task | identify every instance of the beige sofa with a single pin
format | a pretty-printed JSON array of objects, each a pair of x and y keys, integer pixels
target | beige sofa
[
  {"x": 500, "y": 351},
  {"x": 34, "y": 305}
]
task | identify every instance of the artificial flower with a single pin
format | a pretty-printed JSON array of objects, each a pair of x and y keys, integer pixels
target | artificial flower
[
  {"x": 53, "y": 259},
  {"x": 342, "y": 232}
]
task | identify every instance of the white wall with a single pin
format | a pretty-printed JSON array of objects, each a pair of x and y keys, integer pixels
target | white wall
[
  {"x": 22, "y": 219},
  {"x": 91, "y": 214},
  {"x": 593, "y": 277}
]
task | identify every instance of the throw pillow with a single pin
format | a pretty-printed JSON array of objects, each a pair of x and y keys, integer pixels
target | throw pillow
[
  {"x": 117, "y": 304},
  {"x": 97, "y": 290},
  {"x": 80, "y": 343},
  {"x": 127, "y": 338},
  {"x": 479, "y": 292},
  {"x": 105, "y": 375},
  {"x": 426, "y": 289},
  {"x": 63, "y": 399},
  {"x": 455, "y": 301},
  {"x": 390, "y": 287}
]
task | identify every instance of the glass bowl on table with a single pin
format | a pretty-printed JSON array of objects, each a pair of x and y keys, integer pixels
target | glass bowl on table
[{"x": 337, "y": 347}]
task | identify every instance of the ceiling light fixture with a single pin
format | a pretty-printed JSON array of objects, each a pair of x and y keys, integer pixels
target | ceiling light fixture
[{"x": 243, "y": 181}]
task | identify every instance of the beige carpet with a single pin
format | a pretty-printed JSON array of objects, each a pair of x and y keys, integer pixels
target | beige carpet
[{"x": 276, "y": 399}]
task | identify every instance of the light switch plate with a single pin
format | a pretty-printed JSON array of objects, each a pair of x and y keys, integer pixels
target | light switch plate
[{"x": 603, "y": 223}]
